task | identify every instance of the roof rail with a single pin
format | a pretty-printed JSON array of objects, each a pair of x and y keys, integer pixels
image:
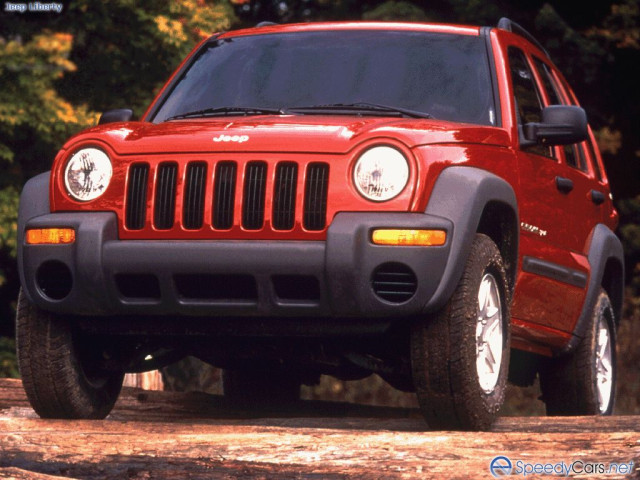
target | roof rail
[{"x": 510, "y": 26}]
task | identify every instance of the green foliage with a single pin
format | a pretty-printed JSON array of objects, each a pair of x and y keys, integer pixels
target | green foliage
[
  {"x": 396, "y": 11},
  {"x": 8, "y": 227},
  {"x": 118, "y": 69},
  {"x": 579, "y": 58},
  {"x": 33, "y": 116},
  {"x": 57, "y": 72},
  {"x": 629, "y": 230},
  {"x": 8, "y": 365},
  {"x": 477, "y": 12}
]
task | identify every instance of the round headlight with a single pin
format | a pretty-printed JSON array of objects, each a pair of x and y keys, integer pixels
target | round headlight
[
  {"x": 88, "y": 174},
  {"x": 381, "y": 173}
]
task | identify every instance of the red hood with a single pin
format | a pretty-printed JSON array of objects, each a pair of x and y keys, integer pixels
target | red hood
[{"x": 328, "y": 134}]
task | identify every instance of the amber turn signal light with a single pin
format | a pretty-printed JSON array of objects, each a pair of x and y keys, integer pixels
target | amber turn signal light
[
  {"x": 50, "y": 236},
  {"x": 416, "y": 238}
]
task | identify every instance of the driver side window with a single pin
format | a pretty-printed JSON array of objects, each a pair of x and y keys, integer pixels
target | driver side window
[{"x": 527, "y": 97}]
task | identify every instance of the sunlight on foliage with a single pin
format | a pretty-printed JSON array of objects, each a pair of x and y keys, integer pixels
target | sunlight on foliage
[{"x": 8, "y": 225}]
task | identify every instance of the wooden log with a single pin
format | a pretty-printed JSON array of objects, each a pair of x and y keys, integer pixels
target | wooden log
[{"x": 153, "y": 434}]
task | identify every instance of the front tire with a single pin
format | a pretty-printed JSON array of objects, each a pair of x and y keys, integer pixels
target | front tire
[
  {"x": 59, "y": 368},
  {"x": 460, "y": 357},
  {"x": 583, "y": 382}
]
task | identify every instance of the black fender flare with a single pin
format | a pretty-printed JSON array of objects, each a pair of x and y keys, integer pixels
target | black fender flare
[
  {"x": 34, "y": 202},
  {"x": 606, "y": 259},
  {"x": 461, "y": 194}
]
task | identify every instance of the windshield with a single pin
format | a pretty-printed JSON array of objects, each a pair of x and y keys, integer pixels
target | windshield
[{"x": 443, "y": 75}]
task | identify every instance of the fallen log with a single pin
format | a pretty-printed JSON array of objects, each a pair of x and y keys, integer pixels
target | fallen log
[{"x": 154, "y": 434}]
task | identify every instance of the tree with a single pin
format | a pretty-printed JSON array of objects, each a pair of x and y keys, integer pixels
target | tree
[
  {"x": 34, "y": 122},
  {"x": 117, "y": 69},
  {"x": 55, "y": 82}
]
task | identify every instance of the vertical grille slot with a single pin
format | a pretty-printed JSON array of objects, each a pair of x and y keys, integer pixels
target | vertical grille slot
[
  {"x": 165, "y": 196},
  {"x": 137, "y": 196},
  {"x": 254, "y": 192},
  {"x": 193, "y": 203},
  {"x": 284, "y": 196},
  {"x": 224, "y": 195},
  {"x": 315, "y": 196}
]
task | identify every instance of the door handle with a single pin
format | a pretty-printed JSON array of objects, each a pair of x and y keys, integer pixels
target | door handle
[
  {"x": 597, "y": 197},
  {"x": 565, "y": 185}
]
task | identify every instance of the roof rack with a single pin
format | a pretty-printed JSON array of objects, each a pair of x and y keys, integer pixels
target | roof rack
[{"x": 510, "y": 26}]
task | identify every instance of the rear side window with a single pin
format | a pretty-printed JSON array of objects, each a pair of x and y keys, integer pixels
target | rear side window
[{"x": 547, "y": 82}]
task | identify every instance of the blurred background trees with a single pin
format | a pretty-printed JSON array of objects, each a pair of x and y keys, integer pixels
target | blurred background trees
[{"x": 59, "y": 71}]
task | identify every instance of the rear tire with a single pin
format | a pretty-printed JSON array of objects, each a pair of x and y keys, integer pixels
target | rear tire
[
  {"x": 460, "y": 357},
  {"x": 583, "y": 382},
  {"x": 59, "y": 369}
]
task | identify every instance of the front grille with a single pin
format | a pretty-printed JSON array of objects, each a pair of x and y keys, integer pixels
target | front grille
[
  {"x": 315, "y": 198},
  {"x": 135, "y": 215},
  {"x": 165, "y": 204},
  {"x": 254, "y": 190},
  {"x": 193, "y": 203},
  {"x": 200, "y": 194},
  {"x": 224, "y": 193},
  {"x": 284, "y": 196}
]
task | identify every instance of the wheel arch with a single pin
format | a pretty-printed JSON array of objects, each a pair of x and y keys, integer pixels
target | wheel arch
[
  {"x": 476, "y": 201},
  {"x": 34, "y": 201},
  {"x": 499, "y": 222},
  {"x": 606, "y": 259}
]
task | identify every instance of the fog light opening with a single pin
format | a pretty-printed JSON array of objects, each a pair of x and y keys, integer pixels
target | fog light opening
[{"x": 54, "y": 279}]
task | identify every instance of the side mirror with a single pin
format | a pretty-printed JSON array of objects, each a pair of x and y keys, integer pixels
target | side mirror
[
  {"x": 118, "y": 115},
  {"x": 561, "y": 125}
]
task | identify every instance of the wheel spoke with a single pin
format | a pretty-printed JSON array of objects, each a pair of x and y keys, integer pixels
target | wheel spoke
[
  {"x": 604, "y": 366},
  {"x": 489, "y": 335}
]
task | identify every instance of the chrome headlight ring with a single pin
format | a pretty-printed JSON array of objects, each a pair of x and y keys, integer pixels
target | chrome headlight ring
[
  {"x": 381, "y": 173},
  {"x": 87, "y": 174}
]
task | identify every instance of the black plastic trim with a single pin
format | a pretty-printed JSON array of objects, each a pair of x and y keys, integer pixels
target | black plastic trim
[
  {"x": 196, "y": 277},
  {"x": 34, "y": 202},
  {"x": 461, "y": 195},
  {"x": 605, "y": 247},
  {"x": 510, "y": 26},
  {"x": 564, "y": 185},
  {"x": 554, "y": 272},
  {"x": 486, "y": 33}
]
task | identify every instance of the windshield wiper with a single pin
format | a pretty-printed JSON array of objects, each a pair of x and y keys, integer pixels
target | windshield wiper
[
  {"x": 224, "y": 111},
  {"x": 359, "y": 108}
]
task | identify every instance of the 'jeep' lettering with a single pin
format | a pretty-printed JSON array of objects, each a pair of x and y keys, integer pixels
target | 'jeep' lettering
[{"x": 231, "y": 138}]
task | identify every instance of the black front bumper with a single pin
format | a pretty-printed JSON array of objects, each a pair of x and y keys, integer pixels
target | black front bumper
[{"x": 100, "y": 275}]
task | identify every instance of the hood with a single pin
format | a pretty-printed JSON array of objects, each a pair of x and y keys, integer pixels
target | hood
[{"x": 326, "y": 134}]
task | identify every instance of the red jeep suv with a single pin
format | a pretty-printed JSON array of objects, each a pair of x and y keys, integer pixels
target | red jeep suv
[{"x": 421, "y": 201}]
